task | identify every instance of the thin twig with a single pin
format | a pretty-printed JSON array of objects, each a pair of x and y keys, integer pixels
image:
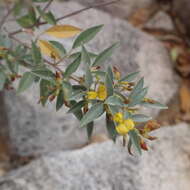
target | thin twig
[
  {"x": 87, "y": 8},
  {"x": 5, "y": 17},
  {"x": 44, "y": 9},
  {"x": 72, "y": 14}
]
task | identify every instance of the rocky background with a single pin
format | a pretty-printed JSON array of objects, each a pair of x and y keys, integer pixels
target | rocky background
[{"x": 56, "y": 149}]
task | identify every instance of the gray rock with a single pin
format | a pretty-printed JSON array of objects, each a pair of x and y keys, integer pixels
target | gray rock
[
  {"x": 37, "y": 130},
  {"x": 160, "y": 21},
  {"x": 122, "y": 9},
  {"x": 108, "y": 166}
]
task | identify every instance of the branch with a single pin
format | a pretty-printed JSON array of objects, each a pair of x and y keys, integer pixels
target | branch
[
  {"x": 5, "y": 17},
  {"x": 71, "y": 14},
  {"x": 44, "y": 9},
  {"x": 87, "y": 8}
]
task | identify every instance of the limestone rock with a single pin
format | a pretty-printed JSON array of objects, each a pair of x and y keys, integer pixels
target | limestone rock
[
  {"x": 122, "y": 9},
  {"x": 37, "y": 130},
  {"x": 108, "y": 166}
]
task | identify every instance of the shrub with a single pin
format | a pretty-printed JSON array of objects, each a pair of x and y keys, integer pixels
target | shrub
[{"x": 87, "y": 95}]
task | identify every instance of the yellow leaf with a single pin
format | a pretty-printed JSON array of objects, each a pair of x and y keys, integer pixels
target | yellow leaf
[
  {"x": 48, "y": 50},
  {"x": 63, "y": 31}
]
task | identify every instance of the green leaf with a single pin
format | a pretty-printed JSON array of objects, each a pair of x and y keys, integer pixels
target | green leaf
[
  {"x": 114, "y": 100},
  {"x": 2, "y": 80},
  {"x": 88, "y": 77},
  {"x": 48, "y": 17},
  {"x": 137, "y": 88},
  {"x": 28, "y": 20},
  {"x": 45, "y": 74},
  {"x": 75, "y": 55},
  {"x": 135, "y": 140},
  {"x": 44, "y": 91},
  {"x": 109, "y": 83},
  {"x": 60, "y": 100},
  {"x": 12, "y": 64},
  {"x": 36, "y": 54},
  {"x": 72, "y": 67},
  {"x": 77, "y": 106},
  {"x": 99, "y": 73},
  {"x": 85, "y": 56},
  {"x": 77, "y": 94},
  {"x": 138, "y": 97},
  {"x": 89, "y": 128},
  {"x": 104, "y": 55},
  {"x": 67, "y": 90},
  {"x": 130, "y": 77},
  {"x": 113, "y": 109},
  {"x": 154, "y": 105},
  {"x": 110, "y": 125},
  {"x": 25, "y": 82},
  {"x": 78, "y": 113},
  {"x": 18, "y": 7},
  {"x": 86, "y": 36},
  {"x": 5, "y": 41},
  {"x": 93, "y": 113},
  {"x": 59, "y": 47},
  {"x": 140, "y": 118}
]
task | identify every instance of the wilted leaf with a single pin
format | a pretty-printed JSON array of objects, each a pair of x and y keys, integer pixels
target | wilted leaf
[
  {"x": 185, "y": 97},
  {"x": 63, "y": 31},
  {"x": 142, "y": 15},
  {"x": 60, "y": 48},
  {"x": 47, "y": 49}
]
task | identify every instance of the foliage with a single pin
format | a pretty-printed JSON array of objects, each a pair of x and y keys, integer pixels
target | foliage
[{"x": 87, "y": 95}]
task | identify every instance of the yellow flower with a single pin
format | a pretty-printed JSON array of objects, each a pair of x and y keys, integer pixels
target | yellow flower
[
  {"x": 102, "y": 93},
  {"x": 125, "y": 126},
  {"x": 129, "y": 123},
  {"x": 118, "y": 117},
  {"x": 122, "y": 129},
  {"x": 91, "y": 95}
]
